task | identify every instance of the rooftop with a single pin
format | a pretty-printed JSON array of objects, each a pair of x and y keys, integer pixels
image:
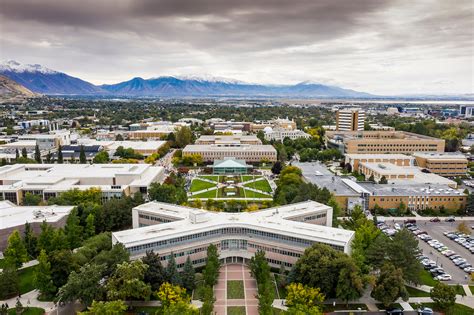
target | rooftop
[
  {"x": 440, "y": 155},
  {"x": 13, "y": 216},
  {"x": 230, "y": 163},
  {"x": 379, "y": 156},
  {"x": 389, "y": 168},
  {"x": 191, "y": 221},
  {"x": 410, "y": 190},
  {"x": 240, "y": 147}
]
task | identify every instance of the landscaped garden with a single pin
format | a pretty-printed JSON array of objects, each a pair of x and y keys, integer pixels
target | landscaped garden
[
  {"x": 27, "y": 311},
  {"x": 198, "y": 185},
  {"x": 236, "y": 310},
  {"x": 235, "y": 289}
]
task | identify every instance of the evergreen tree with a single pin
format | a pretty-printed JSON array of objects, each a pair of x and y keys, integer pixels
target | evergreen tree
[
  {"x": 49, "y": 158},
  {"x": 24, "y": 153},
  {"x": 89, "y": 231},
  {"x": 73, "y": 229},
  {"x": 37, "y": 154},
  {"x": 60, "y": 155},
  {"x": 9, "y": 283},
  {"x": 82, "y": 156},
  {"x": 17, "y": 154},
  {"x": 211, "y": 270},
  {"x": 45, "y": 239},
  {"x": 15, "y": 253},
  {"x": 155, "y": 274},
  {"x": 172, "y": 275},
  {"x": 390, "y": 285},
  {"x": 383, "y": 180},
  {"x": 189, "y": 275},
  {"x": 30, "y": 240},
  {"x": 42, "y": 277}
]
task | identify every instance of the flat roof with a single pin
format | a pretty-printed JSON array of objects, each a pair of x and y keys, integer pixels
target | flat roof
[
  {"x": 388, "y": 168},
  {"x": 12, "y": 215},
  {"x": 276, "y": 220},
  {"x": 395, "y": 156},
  {"x": 318, "y": 174},
  {"x": 441, "y": 155},
  {"x": 395, "y": 134},
  {"x": 238, "y": 148},
  {"x": 410, "y": 190}
]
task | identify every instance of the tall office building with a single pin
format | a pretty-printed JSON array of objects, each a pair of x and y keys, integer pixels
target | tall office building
[{"x": 350, "y": 119}]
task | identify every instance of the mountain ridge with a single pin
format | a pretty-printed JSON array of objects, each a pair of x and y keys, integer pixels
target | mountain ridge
[{"x": 51, "y": 82}]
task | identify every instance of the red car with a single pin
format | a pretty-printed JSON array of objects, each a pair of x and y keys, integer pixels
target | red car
[{"x": 435, "y": 220}]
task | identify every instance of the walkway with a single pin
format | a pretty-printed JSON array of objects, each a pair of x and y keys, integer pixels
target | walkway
[{"x": 235, "y": 272}]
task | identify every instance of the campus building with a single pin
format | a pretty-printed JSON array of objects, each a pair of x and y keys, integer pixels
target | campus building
[
  {"x": 444, "y": 164},
  {"x": 398, "y": 159},
  {"x": 49, "y": 141},
  {"x": 145, "y": 148},
  {"x": 350, "y": 119},
  {"x": 382, "y": 142},
  {"x": 13, "y": 217},
  {"x": 230, "y": 166},
  {"x": 282, "y": 232},
  {"x": 49, "y": 180},
  {"x": 279, "y": 134},
  {"x": 247, "y": 148}
]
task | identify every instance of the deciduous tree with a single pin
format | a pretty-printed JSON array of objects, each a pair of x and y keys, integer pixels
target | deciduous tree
[
  {"x": 42, "y": 277},
  {"x": 127, "y": 282},
  {"x": 15, "y": 254}
]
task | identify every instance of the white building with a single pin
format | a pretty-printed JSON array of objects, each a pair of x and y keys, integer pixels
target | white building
[
  {"x": 351, "y": 119},
  {"x": 145, "y": 148},
  {"x": 49, "y": 141},
  {"x": 49, "y": 180},
  {"x": 282, "y": 232},
  {"x": 278, "y": 134}
]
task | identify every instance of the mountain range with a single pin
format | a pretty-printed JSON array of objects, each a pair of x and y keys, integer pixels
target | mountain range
[
  {"x": 11, "y": 91},
  {"x": 43, "y": 80}
]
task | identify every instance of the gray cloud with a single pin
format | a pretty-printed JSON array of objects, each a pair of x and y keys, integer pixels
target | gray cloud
[{"x": 374, "y": 45}]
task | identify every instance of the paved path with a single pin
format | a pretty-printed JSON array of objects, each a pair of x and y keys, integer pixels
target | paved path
[
  {"x": 28, "y": 264},
  {"x": 235, "y": 272}
]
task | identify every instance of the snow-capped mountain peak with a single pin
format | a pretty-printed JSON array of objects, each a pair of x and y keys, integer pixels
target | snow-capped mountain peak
[
  {"x": 14, "y": 66},
  {"x": 204, "y": 78}
]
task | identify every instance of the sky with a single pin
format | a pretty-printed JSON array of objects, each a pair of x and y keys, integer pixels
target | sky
[{"x": 385, "y": 47}]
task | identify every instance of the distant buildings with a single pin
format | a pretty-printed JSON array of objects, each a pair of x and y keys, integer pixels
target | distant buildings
[
  {"x": 49, "y": 180},
  {"x": 278, "y": 134},
  {"x": 350, "y": 119},
  {"x": 282, "y": 232},
  {"x": 247, "y": 148},
  {"x": 382, "y": 142},
  {"x": 13, "y": 217},
  {"x": 153, "y": 130},
  {"x": 354, "y": 160},
  {"x": 145, "y": 148},
  {"x": 466, "y": 111}
]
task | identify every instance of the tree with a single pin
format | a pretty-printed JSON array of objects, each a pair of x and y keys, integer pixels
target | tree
[
  {"x": 211, "y": 270},
  {"x": 350, "y": 285},
  {"x": 171, "y": 271},
  {"x": 402, "y": 251},
  {"x": 60, "y": 155},
  {"x": 9, "y": 283},
  {"x": 443, "y": 295},
  {"x": 32, "y": 199},
  {"x": 83, "y": 285},
  {"x": 372, "y": 178},
  {"x": 282, "y": 281},
  {"x": 155, "y": 274},
  {"x": 30, "y": 241},
  {"x": 73, "y": 230},
  {"x": 112, "y": 258},
  {"x": 127, "y": 282},
  {"x": 277, "y": 167},
  {"x": 24, "y": 153},
  {"x": 101, "y": 158},
  {"x": 208, "y": 300},
  {"x": 17, "y": 154},
  {"x": 49, "y": 158},
  {"x": 189, "y": 275},
  {"x": 383, "y": 180},
  {"x": 106, "y": 308},
  {"x": 62, "y": 263},
  {"x": 180, "y": 308},
  {"x": 45, "y": 238},
  {"x": 15, "y": 254},
  {"x": 89, "y": 230},
  {"x": 184, "y": 136},
  {"x": 463, "y": 228},
  {"x": 37, "y": 154},
  {"x": 170, "y": 294},
  {"x": 260, "y": 270},
  {"x": 42, "y": 277},
  {"x": 390, "y": 285},
  {"x": 300, "y": 297},
  {"x": 82, "y": 155}
]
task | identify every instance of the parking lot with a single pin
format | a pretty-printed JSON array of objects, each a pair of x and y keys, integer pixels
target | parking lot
[{"x": 436, "y": 230}]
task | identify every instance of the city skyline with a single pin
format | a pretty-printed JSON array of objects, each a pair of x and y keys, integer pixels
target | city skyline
[{"x": 379, "y": 47}]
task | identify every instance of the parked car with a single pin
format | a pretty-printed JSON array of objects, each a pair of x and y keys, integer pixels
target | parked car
[
  {"x": 411, "y": 221},
  {"x": 425, "y": 311},
  {"x": 469, "y": 269},
  {"x": 395, "y": 311},
  {"x": 444, "y": 277},
  {"x": 450, "y": 219},
  {"x": 435, "y": 220}
]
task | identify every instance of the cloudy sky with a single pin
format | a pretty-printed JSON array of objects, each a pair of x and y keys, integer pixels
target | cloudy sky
[{"x": 377, "y": 46}]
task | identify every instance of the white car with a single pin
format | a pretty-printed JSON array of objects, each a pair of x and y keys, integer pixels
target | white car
[
  {"x": 469, "y": 269},
  {"x": 444, "y": 277}
]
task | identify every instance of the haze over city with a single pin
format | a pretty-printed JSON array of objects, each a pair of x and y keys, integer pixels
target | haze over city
[{"x": 379, "y": 47}]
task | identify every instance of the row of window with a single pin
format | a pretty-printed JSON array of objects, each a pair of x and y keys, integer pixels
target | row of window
[
  {"x": 274, "y": 250},
  {"x": 154, "y": 218},
  {"x": 314, "y": 217}
]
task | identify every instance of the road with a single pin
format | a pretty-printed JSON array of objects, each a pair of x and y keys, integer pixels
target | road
[{"x": 435, "y": 230}]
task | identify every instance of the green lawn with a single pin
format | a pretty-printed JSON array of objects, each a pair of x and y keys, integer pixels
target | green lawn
[
  {"x": 239, "y": 193},
  {"x": 249, "y": 177},
  {"x": 342, "y": 307},
  {"x": 277, "y": 311},
  {"x": 253, "y": 194},
  {"x": 198, "y": 184},
  {"x": 416, "y": 293},
  {"x": 26, "y": 277},
  {"x": 151, "y": 310},
  {"x": 427, "y": 279},
  {"x": 28, "y": 311},
  {"x": 208, "y": 194},
  {"x": 236, "y": 310},
  {"x": 472, "y": 288},
  {"x": 457, "y": 309},
  {"x": 260, "y": 185},
  {"x": 235, "y": 289},
  {"x": 211, "y": 177}
]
